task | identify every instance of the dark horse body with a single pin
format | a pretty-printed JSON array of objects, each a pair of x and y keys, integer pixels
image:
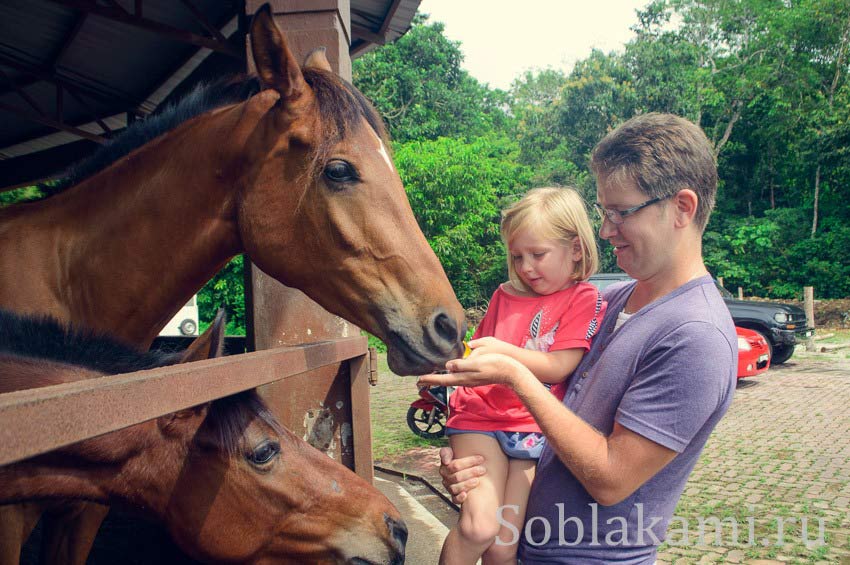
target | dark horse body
[
  {"x": 297, "y": 176},
  {"x": 276, "y": 498}
]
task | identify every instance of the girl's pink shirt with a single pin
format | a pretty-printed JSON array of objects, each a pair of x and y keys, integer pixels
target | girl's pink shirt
[{"x": 566, "y": 319}]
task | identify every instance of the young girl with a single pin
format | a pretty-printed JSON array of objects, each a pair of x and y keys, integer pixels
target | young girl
[{"x": 544, "y": 318}]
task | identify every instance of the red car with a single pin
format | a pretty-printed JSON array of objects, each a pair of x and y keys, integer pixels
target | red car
[{"x": 753, "y": 353}]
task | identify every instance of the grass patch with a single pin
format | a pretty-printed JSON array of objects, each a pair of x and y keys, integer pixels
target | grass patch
[{"x": 390, "y": 400}]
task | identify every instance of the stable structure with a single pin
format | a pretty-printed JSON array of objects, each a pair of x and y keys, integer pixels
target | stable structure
[{"x": 74, "y": 73}]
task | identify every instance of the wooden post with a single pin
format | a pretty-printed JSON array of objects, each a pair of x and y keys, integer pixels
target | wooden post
[
  {"x": 720, "y": 281},
  {"x": 280, "y": 315},
  {"x": 740, "y": 293},
  {"x": 809, "y": 307}
]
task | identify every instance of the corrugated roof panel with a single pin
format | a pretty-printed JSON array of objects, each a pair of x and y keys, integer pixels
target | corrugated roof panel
[
  {"x": 33, "y": 31},
  {"x": 117, "y": 66}
]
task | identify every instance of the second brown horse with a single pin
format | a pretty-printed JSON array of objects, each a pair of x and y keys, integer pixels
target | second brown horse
[{"x": 227, "y": 481}]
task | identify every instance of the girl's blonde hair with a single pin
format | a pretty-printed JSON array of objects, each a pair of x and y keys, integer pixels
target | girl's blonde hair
[{"x": 554, "y": 213}]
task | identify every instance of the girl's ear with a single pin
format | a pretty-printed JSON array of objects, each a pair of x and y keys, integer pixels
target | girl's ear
[{"x": 577, "y": 250}]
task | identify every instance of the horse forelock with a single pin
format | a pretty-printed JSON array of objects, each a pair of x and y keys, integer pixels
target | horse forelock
[
  {"x": 342, "y": 109},
  {"x": 230, "y": 417}
]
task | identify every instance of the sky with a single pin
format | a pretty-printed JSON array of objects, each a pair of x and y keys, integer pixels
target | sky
[{"x": 501, "y": 39}]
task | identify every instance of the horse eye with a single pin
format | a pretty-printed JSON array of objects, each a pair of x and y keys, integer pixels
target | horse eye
[
  {"x": 340, "y": 171},
  {"x": 264, "y": 453}
]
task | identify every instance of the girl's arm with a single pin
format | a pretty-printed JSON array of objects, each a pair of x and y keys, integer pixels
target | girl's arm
[{"x": 549, "y": 367}]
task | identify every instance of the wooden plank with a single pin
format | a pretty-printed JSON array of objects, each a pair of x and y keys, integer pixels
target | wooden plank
[
  {"x": 38, "y": 420},
  {"x": 361, "y": 417}
]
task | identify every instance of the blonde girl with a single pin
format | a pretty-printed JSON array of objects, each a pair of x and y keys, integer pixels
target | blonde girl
[{"x": 544, "y": 317}]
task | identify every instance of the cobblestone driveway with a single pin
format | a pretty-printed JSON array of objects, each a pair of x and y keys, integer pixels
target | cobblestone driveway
[{"x": 782, "y": 452}]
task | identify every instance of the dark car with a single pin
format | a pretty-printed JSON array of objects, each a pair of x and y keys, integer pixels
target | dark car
[{"x": 782, "y": 325}]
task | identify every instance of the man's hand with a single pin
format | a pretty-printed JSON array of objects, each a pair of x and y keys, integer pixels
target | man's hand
[
  {"x": 460, "y": 475},
  {"x": 491, "y": 368}
]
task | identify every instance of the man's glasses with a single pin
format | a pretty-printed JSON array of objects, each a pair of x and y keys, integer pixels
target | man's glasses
[{"x": 617, "y": 217}]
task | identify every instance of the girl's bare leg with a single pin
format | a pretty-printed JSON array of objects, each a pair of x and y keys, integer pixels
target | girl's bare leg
[
  {"x": 517, "y": 487},
  {"x": 478, "y": 525}
]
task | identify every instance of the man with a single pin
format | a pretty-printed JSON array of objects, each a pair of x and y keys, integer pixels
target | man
[{"x": 660, "y": 373}]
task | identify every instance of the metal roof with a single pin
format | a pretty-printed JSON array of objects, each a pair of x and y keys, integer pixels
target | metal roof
[{"x": 72, "y": 72}]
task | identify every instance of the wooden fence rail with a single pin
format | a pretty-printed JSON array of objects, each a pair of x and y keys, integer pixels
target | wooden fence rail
[{"x": 39, "y": 420}]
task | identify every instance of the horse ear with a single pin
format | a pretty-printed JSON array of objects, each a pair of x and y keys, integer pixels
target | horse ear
[
  {"x": 275, "y": 63},
  {"x": 176, "y": 422},
  {"x": 210, "y": 344},
  {"x": 318, "y": 59}
]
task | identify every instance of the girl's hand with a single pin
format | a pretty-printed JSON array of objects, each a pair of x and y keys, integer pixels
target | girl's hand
[
  {"x": 485, "y": 345},
  {"x": 477, "y": 370}
]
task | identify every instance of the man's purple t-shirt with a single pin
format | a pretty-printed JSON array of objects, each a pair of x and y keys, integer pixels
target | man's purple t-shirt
[{"x": 668, "y": 373}]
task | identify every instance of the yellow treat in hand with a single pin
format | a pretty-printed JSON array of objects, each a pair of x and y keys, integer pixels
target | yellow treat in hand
[{"x": 466, "y": 350}]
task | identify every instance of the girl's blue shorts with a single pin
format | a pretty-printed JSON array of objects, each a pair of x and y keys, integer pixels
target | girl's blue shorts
[{"x": 516, "y": 445}]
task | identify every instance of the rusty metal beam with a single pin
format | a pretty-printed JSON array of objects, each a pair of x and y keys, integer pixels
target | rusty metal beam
[
  {"x": 69, "y": 39},
  {"x": 39, "y": 420},
  {"x": 45, "y": 121},
  {"x": 22, "y": 93},
  {"x": 360, "y": 418},
  {"x": 388, "y": 18},
  {"x": 367, "y": 34},
  {"x": 78, "y": 97},
  {"x": 113, "y": 96},
  {"x": 202, "y": 19},
  {"x": 60, "y": 104},
  {"x": 120, "y": 15}
]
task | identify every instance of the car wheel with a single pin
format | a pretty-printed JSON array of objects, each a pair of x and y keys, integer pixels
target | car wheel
[
  {"x": 781, "y": 354},
  {"x": 188, "y": 327},
  {"x": 769, "y": 344}
]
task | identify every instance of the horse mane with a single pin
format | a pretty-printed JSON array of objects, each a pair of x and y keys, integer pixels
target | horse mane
[
  {"x": 43, "y": 337},
  {"x": 26, "y": 340},
  {"x": 341, "y": 106},
  {"x": 203, "y": 98}
]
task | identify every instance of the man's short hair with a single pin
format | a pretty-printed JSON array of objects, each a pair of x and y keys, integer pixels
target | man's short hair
[{"x": 661, "y": 154}]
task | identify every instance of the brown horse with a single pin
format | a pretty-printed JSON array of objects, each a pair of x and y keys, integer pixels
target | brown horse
[
  {"x": 276, "y": 499},
  {"x": 297, "y": 175}
]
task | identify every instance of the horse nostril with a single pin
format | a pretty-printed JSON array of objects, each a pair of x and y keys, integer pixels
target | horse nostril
[
  {"x": 445, "y": 328},
  {"x": 398, "y": 531}
]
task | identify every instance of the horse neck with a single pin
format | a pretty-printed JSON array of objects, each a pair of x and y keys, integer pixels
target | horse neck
[
  {"x": 129, "y": 466},
  {"x": 137, "y": 465},
  {"x": 138, "y": 239}
]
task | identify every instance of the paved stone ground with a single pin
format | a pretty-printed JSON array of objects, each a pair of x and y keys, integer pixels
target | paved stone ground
[{"x": 782, "y": 452}]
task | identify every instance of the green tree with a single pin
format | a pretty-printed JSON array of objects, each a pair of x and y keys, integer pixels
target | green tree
[
  {"x": 419, "y": 87},
  {"x": 457, "y": 189}
]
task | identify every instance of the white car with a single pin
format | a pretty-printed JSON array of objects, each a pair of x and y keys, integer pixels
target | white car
[{"x": 185, "y": 322}]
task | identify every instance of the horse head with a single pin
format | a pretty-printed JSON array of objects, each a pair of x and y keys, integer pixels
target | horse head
[
  {"x": 228, "y": 482},
  {"x": 318, "y": 162},
  {"x": 250, "y": 491}
]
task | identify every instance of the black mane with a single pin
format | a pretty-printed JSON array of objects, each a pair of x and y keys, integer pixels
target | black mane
[
  {"x": 45, "y": 338},
  {"x": 341, "y": 107},
  {"x": 203, "y": 98}
]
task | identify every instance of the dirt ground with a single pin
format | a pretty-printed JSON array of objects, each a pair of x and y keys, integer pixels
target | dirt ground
[{"x": 781, "y": 455}]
